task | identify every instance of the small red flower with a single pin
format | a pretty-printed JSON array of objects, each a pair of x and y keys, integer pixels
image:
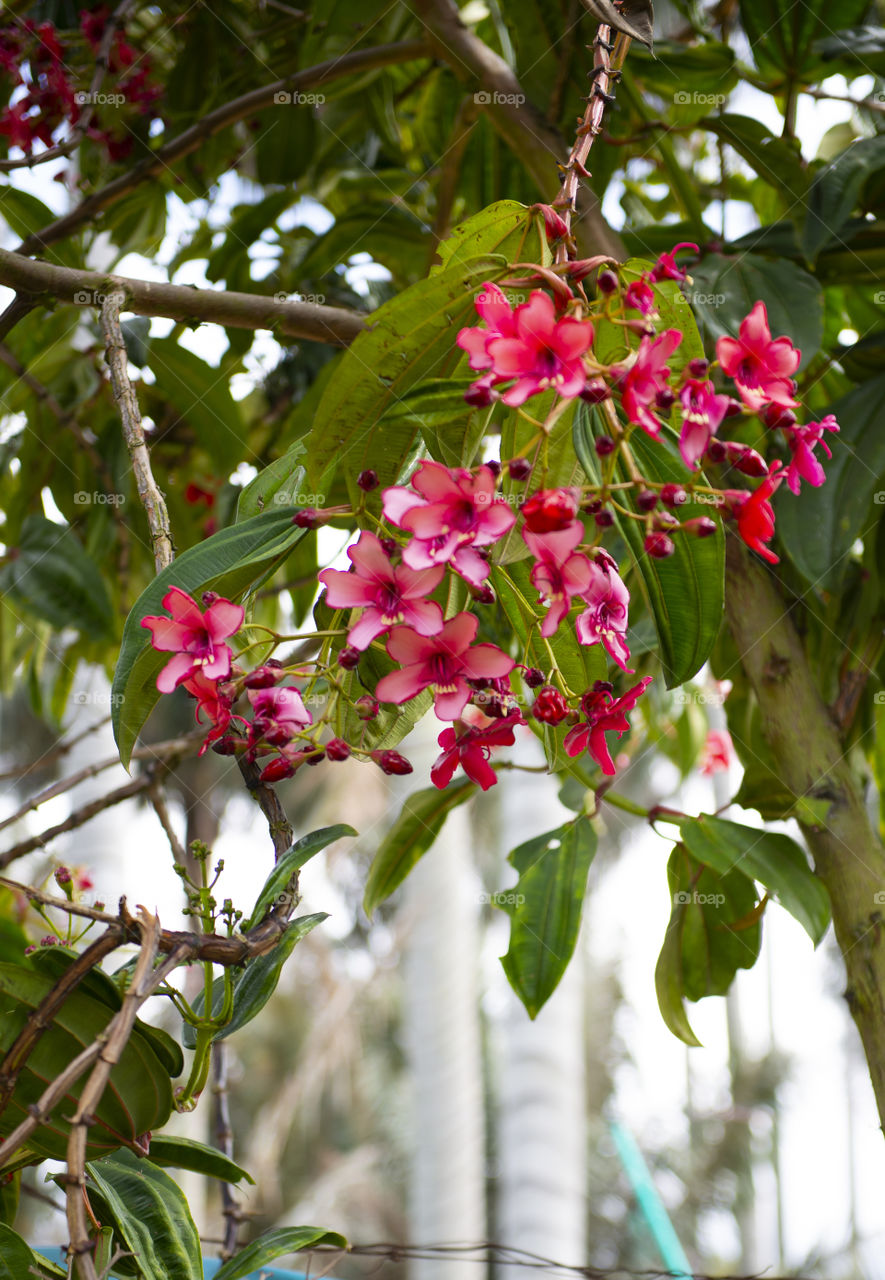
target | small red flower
[
  {"x": 550, "y": 706},
  {"x": 754, "y": 513},
  {"x": 444, "y": 663},
  {"x": 702, "y": 414},
  {"x": 194, "y": 637},
  {"x": 549, "y": 510},
  {"x": 718, "y": 752},
  {"x": 666, "y": 267},
  {"x": 211, "y": 703},
  {"x": 470, "y": 746},
  {"x": 646, "y": 378},
  {"x": 761, "y": 366},
  {"x": 604, "y": 714}
]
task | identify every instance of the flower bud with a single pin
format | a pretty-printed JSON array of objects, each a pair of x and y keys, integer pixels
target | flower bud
[
  {"x": 673, "y": 495},
  {"x": 595, "y": 391},
  {"x": 778, "y": 416},
  {"x": 607, "y": 282},
  {"x": 646, "y": 500},
  {"x": 210, "y": 598},
  {"x": 337, "y": 749},
  {"x": 308, "y": 518},
  {"x": 367, "y": 707},
  {"x": 700, "y": 526},
  {"x": 519, "y": 469},
  {"x": 550, "y": 509},
  {"x": 533, "y": 677},
  {"x": 263, "y": 677},
  {"x": 226, "y": 746},
  {"x": 367, "y": 480},
  {"x": 349, "y": 657},
  {"x": 550, "y": 706},
  {"x": 391, "y": 762},
  {"x": 659, "y": 545},
  {"x": 698, "y": 368},
  {"x": 277, "y": 770},
  {"x": 604, "y": 519},
  {"x": 604, "y": 445}
]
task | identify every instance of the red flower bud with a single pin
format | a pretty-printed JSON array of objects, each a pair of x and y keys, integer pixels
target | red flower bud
[
  {"x": 550, "y": 706},
  {"x": 646, "y": 500},
  {"x": 519, "y": 469},
  {"x": 367, "y": 480},
  {"x": 607, "y": 282},
  {"x": 659, "y": 545},
  {"x": 349, "y": 657},
  {"x": 533, "y": 677},
  {"x": 700, "y": 526},
  {"x": 673, "y": 495},
  {"x": 595, "y": 391},
  {"x": 337, "y": 749},
  {"x": 263, "y": 677},
  {"x": 604, "y": 446},
  {"x": 392, "y": 762},
  {"x": 367, "y": 707},
  {"x": 550, "y": 509},
  {"x": 277, "y": 770},
  {"x": 604, "y": 519}
]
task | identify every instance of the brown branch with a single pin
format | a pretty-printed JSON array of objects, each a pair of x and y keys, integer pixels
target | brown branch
[
  {"x": 112, "y": 1044},
  {"x": 278, "y": 824},
  {"x": 61, "y": 149},
  {"x": 519, "y": 122},
  {"x": 161, "y": 809},
  {"x": 170, "y": 749},
  {"x": 149, "y": 493},
  {"x": 43, "y": 282},
  {"x": 249, "y": 104},
  {"x": 41, "y": 1017},
  {"x": 224, "y": 1139},
  {"x": 50, "y": 757}
]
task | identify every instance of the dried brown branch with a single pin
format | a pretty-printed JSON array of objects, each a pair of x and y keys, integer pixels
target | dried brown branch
[
  {"x": 161, "y": 809},
  {"x": 113, "y": 1043},
  {"x": 149, "y": 493},
  {"x": 278, "y": 824},
  {"x": 45, "y": 282},
  {"x": 41, "y": 1017}
]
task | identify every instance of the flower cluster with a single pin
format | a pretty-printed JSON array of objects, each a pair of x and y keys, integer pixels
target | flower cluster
[{"x": 33, "y": 58}]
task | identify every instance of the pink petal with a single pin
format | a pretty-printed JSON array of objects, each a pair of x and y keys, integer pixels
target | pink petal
[
  {"x": 443, "y": 769},
  {"x": 458, "y": 633},
  {"x": 474, "y": 341},
  {"x": 493, "y": 522},
  {"x": 223, "y": 619},
  {"x": 486, "y": 660},
  {"x": 536, "y": 319},
  {"x": 166, "y": 635},
  {"x": 410, "y": 583},
  {"x": 729, "y": 353},
  {"x": 346, "y": 590},
  {"x": 370, "y": 559},
  {"x": 754, "y": 328},
  {"x": 219, "y": 667},
  {"x": 175, "y": 670},
  {"x": 511, "y": 356},
  {"x": 437, "y": 483},
  {"x": 449, "y": 705},
  {"x": 183, "y": 608},
  {"x": 425, "y": 616},
  {"x": 405, "y": 646},
  {"x": 575, "y": 741},
  {"x": 573, "y": 338},
  {"x": 371, "y": 623},
  {"x": 471, "y": 566},
  {"x": 477, "y": 767},
  {"x": 557, "y": 546},
  {"x": 397, "y": 501},
  {"x": 400, "y": 686}
]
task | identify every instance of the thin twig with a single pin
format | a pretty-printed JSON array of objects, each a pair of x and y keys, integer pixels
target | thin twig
[
  {"x": 278, "y": 824},
  {"x": 113, "y": 1043},
  {"x": 127, "y": 402},
  {"x": 55, "y": 753},
  {"x": 224, "y": 1138},
  {"x": 161, "y": 809}
]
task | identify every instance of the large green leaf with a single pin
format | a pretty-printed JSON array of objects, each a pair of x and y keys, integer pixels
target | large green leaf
[
  {"x": 277, "y": 884},
  {"x": 506, "y": 228},
  {"x": 411, "y": 338},
  {"x": 19, "y": 1262},
  {"x": 53, "y": 577},
  {"x": 782, "y": 34},
  {"x": 414, "y": 831},
  {"x": 168, "y": 1151},
  {"x": 713, "y": 932},
  {"x": 725, "y": 290},
  {"x": 230, "y": 562},
  {"x": 819, "y": 527},
  {"x": 200, "y": 394},
  {"x": 275, "y": 1244},
  {"x": 686, "y": 590},
  {"x": 770, "y": 857},
  {"x": 150, "y": 1214},
  {"x": 836, "y": 192},
  {"x": 545, "y": 908},
  {"x": 283, "y": 483},
  {"x": 773, "y": 158}
]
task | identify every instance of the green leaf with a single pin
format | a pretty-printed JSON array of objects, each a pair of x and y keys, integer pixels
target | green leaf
[
  {"x": 419, "y": 823},
  {"x": 274, "y": 1244},
  {"x": 281, "y": 484},
  {"x": 186, "y": 1153},
  {"x": 773, "y": 859},
  {"x": 150, "y": 1214},
  {"x": 506, "y": 228},
  {"x": 613, "y": 342},
  {"x": 200, "y": 394},
  {"x": 836, "y": 192},
  {"x": 819, "y": 527},
  {"x": 713, "y": 932},
  {"x": 25, "y": 214},
  {"x": 773, "y": 158},
  {"x": 411, "y": 338},
  {"x": 545, "y": 909},
  {"x": 277, "y": 883},
  {"x": 54, "y": 577},
  {"x": 725, "y": 289},
  {"x": 231, "y": 562},
  {"x": 19, "y": 1262},
  {"x": 686, "y": 590},
  {"x": 782, "y": 34}
]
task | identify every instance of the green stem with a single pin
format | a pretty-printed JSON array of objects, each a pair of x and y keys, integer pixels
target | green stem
[{"x": 621, "y": 802}]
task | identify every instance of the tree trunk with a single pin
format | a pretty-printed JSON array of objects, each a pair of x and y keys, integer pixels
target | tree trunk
[{"x": 848, "y": 855}]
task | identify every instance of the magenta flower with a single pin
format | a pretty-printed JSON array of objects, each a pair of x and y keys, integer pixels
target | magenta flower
[
  {"x": 471, "y": 749},
  {"x": 279, "y": 713},
  {"x": 211, "y": 703},
  {"x": 802, "y": 441},
  {"x": 604, "y": 715},
  {"x": 666, "y": 267},
  {"x": 543, "y": 353},
  {"x": 386, "y": 595},
  {"x": 605, "y": 618},
  {"x": 702, "y": 414},
  {"x": 647, "y": 378},
  {"x": 761, "y": 366},
  {"x": 492, "y": 307},
  {"x": 452, "y": 513},
  {"x": 194, "y": 637},
  {"x": 559, "y": 572},
  {"x": 443, "y": 663},
  {"x": 639, "y": 296}
]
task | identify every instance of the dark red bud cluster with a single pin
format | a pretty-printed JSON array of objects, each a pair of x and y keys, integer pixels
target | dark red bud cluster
[{"x": 550, "y": 706}]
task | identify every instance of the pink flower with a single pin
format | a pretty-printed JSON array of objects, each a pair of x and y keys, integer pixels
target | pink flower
[
  {"x": 605, "y": 617},
  {"x": 802, "y": 441},
  {"x": 452, "y": 513},
  {"x": 559, "y": 571},
  {"x": 754, "y": 513},
  {"x": 761, "y": 366},
  {"x": 639, "y": 296},
  {"x": 666, "y": 269},
  {"x": 702, "y": 414},
  {"x": 604, "y": 714},
  {"x": 528, "y": 344},
  {"x": 647, "y": 378},
  {"x": 386, "y": 595},
  {"x": 212, "y": 704},
  {"x": 279, "y": 714},
  {"x": 444, "y": 663},
  {"x": 471, "y": 749},
  {"x": 194, "y": 637},
  {"x": 717, "y": 754},
  {"x": 492, "y": 307}
]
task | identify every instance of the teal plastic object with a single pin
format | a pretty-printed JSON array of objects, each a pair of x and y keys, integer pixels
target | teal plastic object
[
  {"x": 651, "y": 1206},
  {"x": 210, "y": 1267}
]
